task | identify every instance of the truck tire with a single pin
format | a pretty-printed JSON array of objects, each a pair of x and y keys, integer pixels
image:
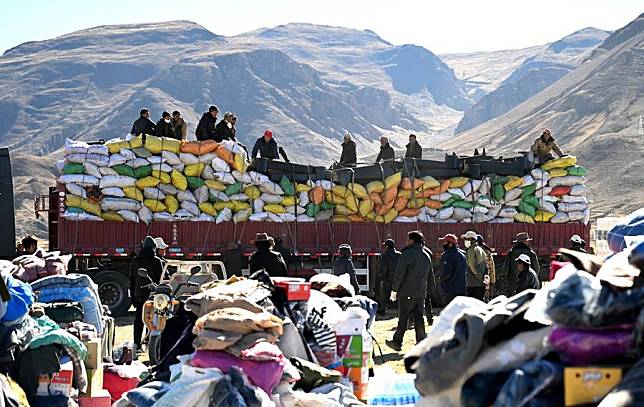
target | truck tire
[{"x": 113, "y": 291}]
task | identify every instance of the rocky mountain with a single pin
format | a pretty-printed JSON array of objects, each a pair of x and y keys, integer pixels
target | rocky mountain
[
  {"x": 535, "y": 73},
  {"x": 595, "y": 112}
]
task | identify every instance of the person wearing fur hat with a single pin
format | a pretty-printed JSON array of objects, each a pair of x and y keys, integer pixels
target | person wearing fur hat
[
  {"x": 148, "y": 260},
  {"x": 265, "y": 258},
  {"x": 344, "y": 265}
]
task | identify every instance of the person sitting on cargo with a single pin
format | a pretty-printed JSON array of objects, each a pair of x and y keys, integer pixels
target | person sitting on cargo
[
  {"x": 164, "y": 127},
  {"x": 265, "y": 258},
  {"x": 577, "y": 244},
  {"x": 224, "y": 128},
  {"x": 139, "y": 293},
  {"x": 344, "y": 265},
  {"x": 414, "y": 150},
  {"x": 267, "y": 147},
  {"x": 520, "y": 247},
  {"x": 348, "y": 157},
  {"x": 233, "y": 129},
  {"x": 29, "y": 245},
  {"x": 207, "y": 127},
  {"x": 543, "y": 147},
  {"x": 527, "y": 277},
  {"x": 180, "y": 126},
  {"x": 143, "y": 125},
  {"x": 386, "y": 151}
]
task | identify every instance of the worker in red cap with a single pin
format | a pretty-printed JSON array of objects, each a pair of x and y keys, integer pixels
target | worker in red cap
[
  {"x": 543, "y": 147},
  {"x": 453, "y": 277},
  {"x": 267, "y": 147}
]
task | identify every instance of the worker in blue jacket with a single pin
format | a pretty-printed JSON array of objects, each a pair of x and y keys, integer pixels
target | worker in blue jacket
[{"x": 453, "y": 278}]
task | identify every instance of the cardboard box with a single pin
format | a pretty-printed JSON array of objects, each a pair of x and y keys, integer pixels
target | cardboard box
[
  {"x": 94, "y": 354},
  {"x": 59, "y": 383},
  {"x": 94, "y": 381},
  {"x": 586, "y": 385},
  {"x": 100, "y": 399},
  {"x": 359, "y": 377},
  {"x": 355, "y": 350}
]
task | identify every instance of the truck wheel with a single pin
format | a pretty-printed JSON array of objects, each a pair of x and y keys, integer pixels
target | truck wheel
[{"x": 113, "y": 291}]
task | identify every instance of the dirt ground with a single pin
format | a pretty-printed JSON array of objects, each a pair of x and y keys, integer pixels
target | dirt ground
[{"x": 382, "y": 330}]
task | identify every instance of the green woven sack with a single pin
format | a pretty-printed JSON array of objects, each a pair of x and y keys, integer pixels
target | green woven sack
[
  {"x": 123, "y": 169},
  {"x": 233, "y": 189},
  {"x": 531, "y": 200},
  {"x": 463, "y": 204},
  {"x": 577, "y": 170},
  {"x": 142, "y": 152},
  {"x": 287, "y": 186},
  {"x": 451, "y": 201},
  {"x": 529, "y": 190},
  {"x": 73, "y": 168},
  {"x": 325, "y": 206},
  {"x": 194, "y": 183},
  {"x": 498, "y": 192},
  {"x": 312, "y": 210},
  {"x": 142, "y": 172},
  {"x": 526, "y": 208}
]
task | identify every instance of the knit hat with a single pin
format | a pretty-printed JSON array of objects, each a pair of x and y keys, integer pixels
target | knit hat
[{"x": 149, "y": 243}]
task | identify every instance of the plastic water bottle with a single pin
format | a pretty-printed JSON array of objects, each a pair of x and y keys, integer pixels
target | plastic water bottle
[{"x": 391, "y": 389}]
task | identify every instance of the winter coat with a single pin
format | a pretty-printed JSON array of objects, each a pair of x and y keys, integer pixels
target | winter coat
[
  {"x": 164, "y": 129},
  {"x": 527, "y": 279},
  {"x": 386, "y": 153},
  {"x": 414, "y": 266},
  {"x": 414, "y": 150},
  {"x": 453, "y": 279},
  {"x": 348, "y": 157},
  {"x": 542, "y": 149},
  {"x": 207, "y": 128},
  {"x": 388, "y": 263},
  {"x": 344, "y": 265},
  {"x": 142, "y": 125},
  {"x": 265, "y": 149},
  {"x": 146, "y": 259},
  {"x": 271, "y": 261},
  {"x": 489, "y": 260},
  {"x": 511, "y": 265},
  {"x": 180, "y": 128},
  {"x": 476, "y": 265},
  {"x": 224, "y": 132}
]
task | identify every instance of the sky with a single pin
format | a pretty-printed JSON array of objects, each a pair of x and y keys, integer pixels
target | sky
[{"x": 440, "y": 26}]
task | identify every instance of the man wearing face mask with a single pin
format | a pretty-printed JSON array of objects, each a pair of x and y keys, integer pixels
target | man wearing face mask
[
  {"x": 477, "y": 276},
  {"x": 164, "y": 127},
  {"x": 453, "y": 278}
]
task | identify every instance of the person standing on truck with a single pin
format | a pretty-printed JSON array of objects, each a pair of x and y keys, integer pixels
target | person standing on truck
[
  {"x": 164, "y": 127},
  {"x": 388, "y": 263},
  {"x": 265, "y": 258},
  {"x": 267, "y": 148},
  {"x": 577, "y": 244},
  {"x": 224, "y": 128},
  {"x": 410, "y": 283},
  {"x": 180, "y": 126},
  {"x": 520, "y": 247},
  {"x": 491, "y": 267},
  {"x": 453, "y": 279},
  {"x": 386, "y": 151},
  {"x": 207, "y": 127},
  {"x": 344, "y": 265},
  {"x": 543, "y": 147},
  {"x": 414, "y": 150},
  {"x": 527, "y": 278},
  {"x": 348, "y": 157},
  {"x": 477, "y": 275},
  {"x": 145, "y": 259},
  {"x": 143, "y": 125}
]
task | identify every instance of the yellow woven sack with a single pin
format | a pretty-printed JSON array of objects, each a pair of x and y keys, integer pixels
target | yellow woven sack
[
  {"x": 133, "y": 193},
  {"x": 358, "y": 190},
  {"x": 340, "y": 219},
  {"x": 73, "y": 201},
  {"x": 371, "y": 216},
  {"x": 219, "y": 205},
  {"x": 562, "y": 162},
  {"x": 302, "y": 188},
  {"x": 557, "y": 172},
  {"x": 429, "y": 182},
  {"x": 274, "y": 208},
  {"x": 89, "y": 207},
  {"x": 523, "y": 218},
  {"x": 342, "y": 210},
  {"x": 288, "y": 201},
  {"x": 366, "y": 207},
  {"x": 335, "y": 199},
  {"x": 146, "y": 182},
  {"x": 339, "y": 190},
  {"x": 155, "y": 205},
  {"x": 380, "y": 219},
  {"x": 240, "y": 163},
  {"x": 212, "y": 184},
  {"x": 390, "y": 215},
  {"x": 114, "y": 147},
  {"x": 352, "y": 202},
  {"x": 375, "y": 186},
  {"x": 194, "y": 170},
  {"x": 136, "y": 142},
  {"x": 393, "y": 180},
  {"x": 171, "y": 203},
  {"x": 111, "y": 216},
  {"x": 163, "y": 176},
  {"x": 513, "y": 182},
  {"x": 543, "y": 216},
  {"x": 457, "y": 182},
  {"x": 206, "y": 207},
  {"x": 179, "y": 181},
  {"x": 158, "y": 144},
  {"x": 405, "y": 193},
  {"x": 239, "y": 205},
  {"x": 252, "y": 191}
]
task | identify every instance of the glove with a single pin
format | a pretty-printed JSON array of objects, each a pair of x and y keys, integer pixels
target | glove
[
  {"x": 486, "y": 279},
  {"x": 393, "y": 296}
]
